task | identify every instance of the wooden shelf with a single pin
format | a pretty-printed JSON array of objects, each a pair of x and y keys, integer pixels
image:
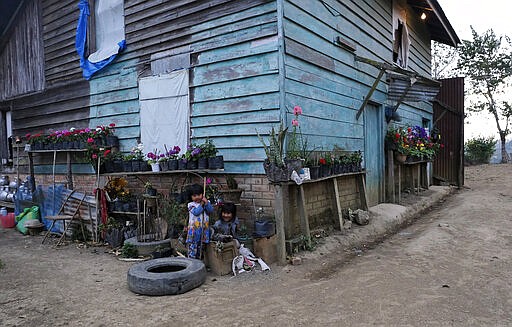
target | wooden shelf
[
  {"x": 124, "y": 213},
  {"x": 52, "y": 151},
  {"x": 194, "y": 171},
  {"x": 323, "y": 178}
]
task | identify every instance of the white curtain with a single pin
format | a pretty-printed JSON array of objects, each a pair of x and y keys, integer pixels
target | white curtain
[
  {"x": 109, "y": 17},
  {"x": 164, "y": 111}
]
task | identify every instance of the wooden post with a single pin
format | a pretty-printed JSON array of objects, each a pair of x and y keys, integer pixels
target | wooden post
[
  {"x": 31, "y": 171},
  {"x": 399, "y": 183},
  {"x": 69, "y": 173},
  {"x": 390, "y": 189},
  {"x": 338, "y": 204},
  {"x": 362, "y": 191},
  {"x": 279, "y": 212},
  {"x": 304, "y": 219}
]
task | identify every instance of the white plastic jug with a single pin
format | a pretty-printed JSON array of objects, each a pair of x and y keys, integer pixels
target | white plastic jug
[{"x": 3, "y": 211}]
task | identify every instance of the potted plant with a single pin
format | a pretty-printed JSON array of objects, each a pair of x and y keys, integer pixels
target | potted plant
[
  {"x": 149, "y": 189},
  {"x": 297, "y": 145},
  {"x": 232, "y": 193},
  {"x": 175, "y": 213},
  {"x": 191, "y": 156},
  {"x": 152, "y": 160},
  {"x": 137, "y": 153},
  {"x": 113, "y": 232},
  {"x": 209, "y": 151},
  {"x": 172, "y": 157},
  {"x": 274, "y": 165}
]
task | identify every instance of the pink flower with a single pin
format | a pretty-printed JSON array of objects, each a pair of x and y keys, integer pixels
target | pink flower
[
  {"x": 94, "y": 156},
  {"x": 295, "y": 122},
  {"x": 297, "y": 110},
  {"x": 208, "y": 181},
  {"x": 90, "y": 140}
]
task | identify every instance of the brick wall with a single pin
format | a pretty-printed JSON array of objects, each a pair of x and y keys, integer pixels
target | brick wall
[
  {"x": 258, "y": 193},
  {"x": 321, "y": 204}
]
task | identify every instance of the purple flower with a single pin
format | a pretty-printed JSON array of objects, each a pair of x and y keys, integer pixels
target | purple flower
[{"x": 196, "y": 152}]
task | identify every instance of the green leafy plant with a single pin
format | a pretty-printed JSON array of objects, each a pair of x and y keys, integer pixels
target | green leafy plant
[
  {"x": 479, "y": 150},
  {"x": 129, "y": 251},
  {"x": 111, "y": 223},
  {"x": 231, "y": 182},
  {"x": 208, "y": 149},
  {"x": 275, "y": 149}
]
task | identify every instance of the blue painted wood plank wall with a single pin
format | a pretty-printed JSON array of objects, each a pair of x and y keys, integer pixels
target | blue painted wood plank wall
[{"x": 327, "y": 81}]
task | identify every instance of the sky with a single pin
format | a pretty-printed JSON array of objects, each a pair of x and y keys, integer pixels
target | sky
[{"x": 482, "y": 15}]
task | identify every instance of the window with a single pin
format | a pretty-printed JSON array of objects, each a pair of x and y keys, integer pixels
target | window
[
  {"x": 109, "y": 28},
  {"x": 6, "y": 139},
  {"x": 164, "y": 110},
  {"x": 401, "y": 41}
]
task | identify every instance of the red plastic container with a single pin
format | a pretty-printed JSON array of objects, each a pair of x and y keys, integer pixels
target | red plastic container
[{"x": 8, "y": 221}]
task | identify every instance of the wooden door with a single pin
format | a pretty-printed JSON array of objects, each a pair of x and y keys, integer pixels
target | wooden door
[{"x": 374, "y": 154}]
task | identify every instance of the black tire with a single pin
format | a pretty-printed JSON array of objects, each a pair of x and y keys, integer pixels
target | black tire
[
  {"x": 146, "y": 248},
  {"x": 142, "y": 280}
]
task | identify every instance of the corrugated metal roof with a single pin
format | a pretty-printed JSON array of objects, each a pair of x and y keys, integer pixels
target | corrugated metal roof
[{"x": 411, "y": 89}]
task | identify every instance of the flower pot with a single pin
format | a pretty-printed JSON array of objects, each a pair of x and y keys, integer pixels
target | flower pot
[
  {"x": 216, "y": 162},
  {"x": 136, "y": 165},
  {"x": 109, "y": 166},
  {"x": 314, "y": 172},
  {"x": 173, "y": 164},
  {"x": 112, "y": 140},
  {"x": 164, "y": 165},
  {"x": 155, "y": 167},
  {"x": 294, "y": 164},
  {"x": 118, "y": 166},
  {"x": 182, "y": 164},
  {"x": 325, "y": 170},
  {"x": 144, "y": 166},
  {"x": 400, "y": 157},
  {"x": 127, "y": 166},
  {"x": 231, "y": 195},
  {"x": 192, "y": 164},
  {"x": 151, "y": 191},
  {"x": 202, "y": 163},
  {"x": 276, "y": 173}
]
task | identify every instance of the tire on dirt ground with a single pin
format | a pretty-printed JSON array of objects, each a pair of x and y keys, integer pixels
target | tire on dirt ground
[{"x": 166, "y": 276}]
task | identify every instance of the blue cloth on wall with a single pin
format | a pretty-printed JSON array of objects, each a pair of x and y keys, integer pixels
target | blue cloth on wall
[{"x": 88, "y": 67}]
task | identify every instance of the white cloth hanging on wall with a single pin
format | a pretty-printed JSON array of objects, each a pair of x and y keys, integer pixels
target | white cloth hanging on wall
[
  {"x": 109, "y": 18},
  {"x": 164, "y": 111}
]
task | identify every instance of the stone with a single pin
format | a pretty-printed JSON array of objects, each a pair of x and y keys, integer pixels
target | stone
[
  {"x": 361, "y": 217},
  {"x": 295, "y": 261}
]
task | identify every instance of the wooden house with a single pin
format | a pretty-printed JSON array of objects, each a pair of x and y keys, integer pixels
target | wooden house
[{"x": 233, "y": 68}]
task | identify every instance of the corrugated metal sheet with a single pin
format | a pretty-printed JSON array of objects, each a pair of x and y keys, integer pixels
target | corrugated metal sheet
[
  {"x": 412, "y": 90},
  {"x": 449, "y": 119}
]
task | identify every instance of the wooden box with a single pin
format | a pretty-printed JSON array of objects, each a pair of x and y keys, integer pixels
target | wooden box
[
  {"x": 266, "y": 248},
  {"x": 220, "y": 261}
]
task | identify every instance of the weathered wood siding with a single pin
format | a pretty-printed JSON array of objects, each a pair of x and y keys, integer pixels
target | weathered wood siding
[
  {"x": 21, "y": 66},
  {"x": 62, "y": 64},
  {"x": 234, "y": 87},
  {"x": 326, "y": 80}
]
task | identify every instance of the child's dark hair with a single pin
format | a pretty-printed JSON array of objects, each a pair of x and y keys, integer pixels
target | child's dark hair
[
  {"x": 194, "y": 189},
  {"x": 227, "y": 207}
]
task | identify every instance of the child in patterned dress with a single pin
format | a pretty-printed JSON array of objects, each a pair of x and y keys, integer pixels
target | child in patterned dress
[{"x": 199, "y": 209}]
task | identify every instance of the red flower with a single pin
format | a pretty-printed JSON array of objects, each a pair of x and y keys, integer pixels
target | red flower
[
  {"x": 441, "y": 145},
  {"x": 94, "y": 156},
  {"x": 112, "y": 125},
  {"x": 397, "y": 136},
  {"x": 105, "y": 154},
  {"x": 27, "y": 135},
  {"x": 322, "y": 161},
  {"x": 90, "y": 140}
]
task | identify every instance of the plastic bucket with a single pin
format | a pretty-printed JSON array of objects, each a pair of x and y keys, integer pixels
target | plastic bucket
[{"x": 8, "y": 220}]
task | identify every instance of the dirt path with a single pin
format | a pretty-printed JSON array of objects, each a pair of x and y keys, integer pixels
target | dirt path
[{"x": 452, "y": 267}]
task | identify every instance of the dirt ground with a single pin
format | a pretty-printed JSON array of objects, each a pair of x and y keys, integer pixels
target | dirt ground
[{"x": 452, "y": 267}]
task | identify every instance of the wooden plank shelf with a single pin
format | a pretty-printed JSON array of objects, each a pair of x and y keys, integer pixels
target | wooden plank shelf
[
  {"x": 194, "y": 171},
  {"x": 62, "y": 150}
]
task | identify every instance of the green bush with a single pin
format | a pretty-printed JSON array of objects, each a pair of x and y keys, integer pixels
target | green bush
[{"x": 479, "y": 150}]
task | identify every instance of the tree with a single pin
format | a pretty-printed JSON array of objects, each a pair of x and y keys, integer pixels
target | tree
[
  {"x": 444, "y": 58},
  {"x": 487, "y": 62}
]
